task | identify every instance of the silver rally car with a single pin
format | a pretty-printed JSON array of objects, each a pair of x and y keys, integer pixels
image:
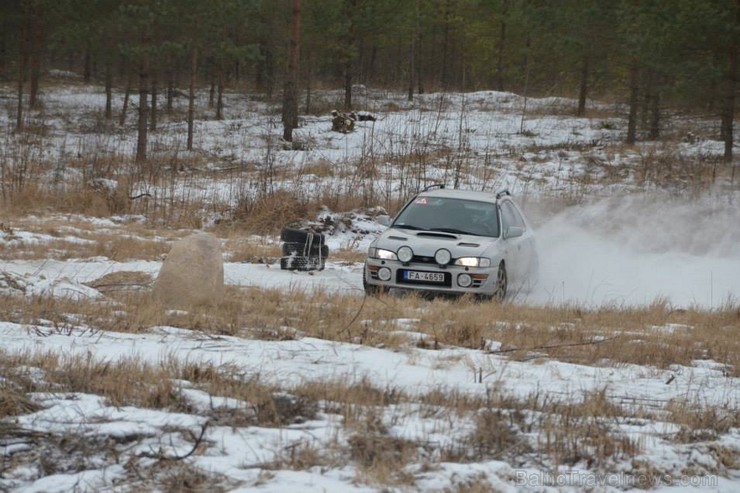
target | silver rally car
[{"x": 456, "y": 242}]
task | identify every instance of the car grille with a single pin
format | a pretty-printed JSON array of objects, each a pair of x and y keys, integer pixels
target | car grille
[{"x": 419, "y": 259}]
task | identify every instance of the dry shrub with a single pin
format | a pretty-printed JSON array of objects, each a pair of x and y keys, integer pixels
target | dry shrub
[
  {"x": 269, "y": 213},
  {"x": 495, "y": 436},
  {"x": 379, "y": 456},
  {"x": 639, "y": 335},
  {"x": 267, "y": 405},
  {"x": 700, "y": 421},
  {"x": 477, "y": 484},
  {"x": 255, "y": 250},
  {"x": 272, "y": 311},
  {"x": 70, "y": 453},
  {"x": 668, "y": 168},
  {"x": 179, "y": 477},
  {"x": 132, "y": 382},
  {"x": 342, "y": 392},
  {"x": 13, "y": 400},
  {"x": 280, "y": 409},
  {"x": 29, "y": 199},
  {"x": 321, "y": 168},
  {"x": 574, "y": 432},
  {"x": 74, "y": 236},
  {"x": 125, "y": 382},
  {"x": 301, "y": 456},
  {"x": 121, "y": 281},
  {"x": 459, "y": 403}
]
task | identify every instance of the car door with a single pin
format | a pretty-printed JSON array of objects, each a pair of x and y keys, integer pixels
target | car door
[
  {"x": 514, "y": 239},
  {"x": 527, "y": 246}
]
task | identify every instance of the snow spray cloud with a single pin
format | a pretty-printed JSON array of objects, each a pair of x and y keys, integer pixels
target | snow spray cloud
[{"x": 631, "y": 250}]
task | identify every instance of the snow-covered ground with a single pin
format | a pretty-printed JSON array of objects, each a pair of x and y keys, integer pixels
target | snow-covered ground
[{"x": 624, "y": 244}]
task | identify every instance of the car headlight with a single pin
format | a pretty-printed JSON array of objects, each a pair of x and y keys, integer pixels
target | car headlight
[
  {"x": 442, "y": 256},
  {"x": 380, "y": 253},
  {"x": 405, "y": 254},
  {"x": 473, "y": 262}
]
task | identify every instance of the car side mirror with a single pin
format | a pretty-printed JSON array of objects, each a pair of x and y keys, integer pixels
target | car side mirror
[
  {"x": 383, "y": 220},
  {"x": 514, "y": 232}
]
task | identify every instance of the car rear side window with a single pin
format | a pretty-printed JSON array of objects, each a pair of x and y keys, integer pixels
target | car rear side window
[{"x": 511, "y": 216}]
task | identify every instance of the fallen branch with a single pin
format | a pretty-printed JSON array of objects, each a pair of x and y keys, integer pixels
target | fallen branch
[
  {"x": 161, "y": 456},
  {"x": 552, "y": 346}
]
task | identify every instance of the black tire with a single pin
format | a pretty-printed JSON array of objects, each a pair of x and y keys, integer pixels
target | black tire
[
  {"x": 304, "y": 250},
  {"x": 302, "y": 263},
  {"x": 296, "y": 249},
  {"x": 291, "y": 235},
  {"x": 502, "y": 282},
  {"x": 293, "y": 263}
]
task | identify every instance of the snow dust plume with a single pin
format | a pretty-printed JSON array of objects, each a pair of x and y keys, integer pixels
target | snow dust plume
[{"x": 635, "y": 249}]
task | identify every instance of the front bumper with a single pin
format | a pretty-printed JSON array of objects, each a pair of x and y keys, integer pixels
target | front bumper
[{"x": 453, "y": 279}]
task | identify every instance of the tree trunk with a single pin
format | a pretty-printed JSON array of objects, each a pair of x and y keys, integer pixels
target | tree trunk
[
  {"x": 22, "y": 65},
  {"x": 191, "y": 97},
  {"x": 126, "y": 97},
  {"x": 634, "y": 103},
  {"x": 87, "y": 66},
  {"x": 500, "y": 76},
  {"x": 655, "y": 116},
  {"x": 309, "y": 80},
  {"x": 36, "y": 38},
  {"x": 108, "y": 90},
  {"x": 212, "y": 90},
  {"x": 170, "y": 90},
  {"x": 3, "y": 46},
  {"x": 290, "y": 101},
  {"x": 141, "y": 141},
  {"x": 728, "y": 113},
  {"x": 350, "y": 46},
  {"x": 21, "y": 81},
  {"x": 583, "y": 88},
  {"x": 412, "y": 69},
  {"x": 153, "y": 119},
  {"x": 220, "y": 96},
  {"x": 528, "y": 45},
  {"x": 419, "y": 79},
  {"x": 348, "y": 86},
  {"x": 265, "y": 74},
  {"x": 445, "y": 45}
]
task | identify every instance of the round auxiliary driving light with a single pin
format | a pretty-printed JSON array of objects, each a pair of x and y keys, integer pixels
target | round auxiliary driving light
[
  {"x": 405, "y": 254},
  {"x": 464, "y": 280},
  {"x": 384, "y": 274},
  {"x": 443, "y": 256}
]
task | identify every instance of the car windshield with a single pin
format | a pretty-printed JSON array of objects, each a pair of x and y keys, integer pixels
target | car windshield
[{"x": 449, "y": 215}]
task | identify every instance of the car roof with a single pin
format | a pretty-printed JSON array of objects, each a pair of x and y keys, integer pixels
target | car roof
[{"x": 460, "y": 194}]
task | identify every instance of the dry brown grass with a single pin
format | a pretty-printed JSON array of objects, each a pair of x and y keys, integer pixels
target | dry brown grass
[
  {"x": 666, "y": 167},
  {"x": 65, "y": 237},
  {"x": 700, "y": 421},
  {"x": 638, "y": 335}
]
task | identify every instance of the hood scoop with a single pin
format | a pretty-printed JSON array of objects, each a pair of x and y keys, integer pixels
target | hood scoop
[
  {"x": 430, "y": 234},
  {"x": 399, "y": 238},
  {"x": 470, "y": 245}
]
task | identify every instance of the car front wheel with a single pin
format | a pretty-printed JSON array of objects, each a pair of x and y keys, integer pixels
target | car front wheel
[{"x": 501, "y": 283}]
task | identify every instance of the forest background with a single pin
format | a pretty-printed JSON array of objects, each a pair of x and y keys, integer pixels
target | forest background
[{"x": 653, "y": 56}]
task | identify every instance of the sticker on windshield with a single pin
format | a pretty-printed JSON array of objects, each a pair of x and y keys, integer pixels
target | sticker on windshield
[{"x": 421, "y": 200}]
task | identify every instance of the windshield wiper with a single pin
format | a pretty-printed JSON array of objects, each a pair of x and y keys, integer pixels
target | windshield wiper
[
  {"x": 408, "y": 226},
  {"x": 454, "y": 231}
]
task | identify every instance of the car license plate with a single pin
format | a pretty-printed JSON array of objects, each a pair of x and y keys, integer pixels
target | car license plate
[{"x": 413, "y": 275}]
